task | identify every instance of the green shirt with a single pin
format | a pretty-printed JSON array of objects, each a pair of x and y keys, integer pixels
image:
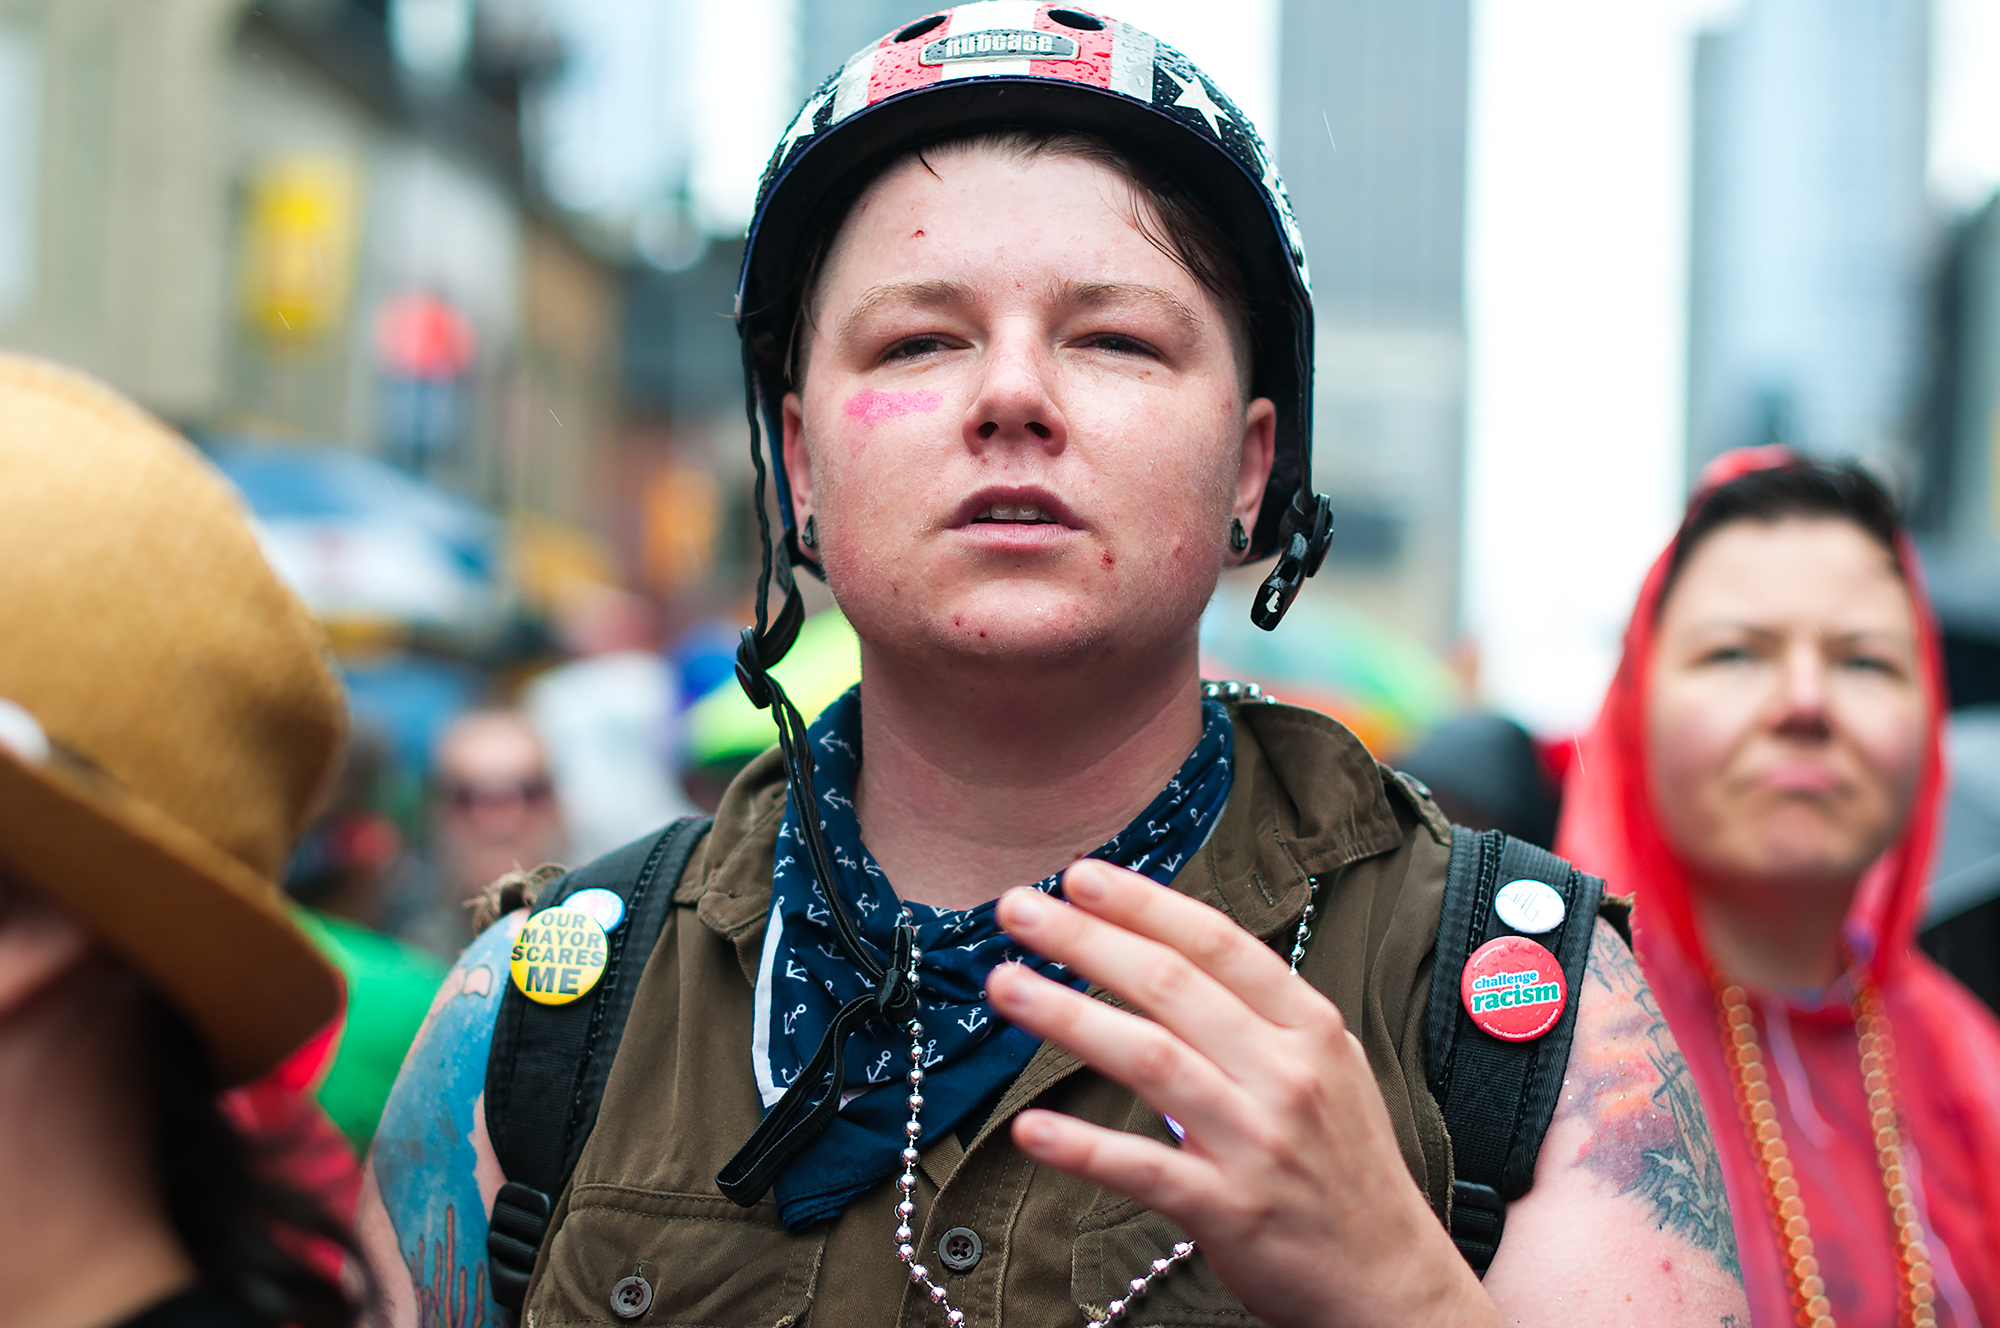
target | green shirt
[{"x": 389, "y": 990}]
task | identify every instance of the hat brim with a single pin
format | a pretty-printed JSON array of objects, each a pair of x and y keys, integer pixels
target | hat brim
[{"x": 204, "y": 927}]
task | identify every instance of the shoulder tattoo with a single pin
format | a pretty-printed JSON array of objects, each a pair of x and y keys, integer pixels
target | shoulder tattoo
[
  {"x": 431, "y": 1158},
  {"x": 1650, "y": 1135}
]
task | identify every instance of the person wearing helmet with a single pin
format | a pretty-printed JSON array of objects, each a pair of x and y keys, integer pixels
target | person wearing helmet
[{"x": 1028, "y": 327}]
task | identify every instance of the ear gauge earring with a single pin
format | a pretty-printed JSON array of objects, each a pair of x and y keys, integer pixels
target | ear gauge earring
[
  {"x": 809, "y": 536},
  {"x": 1239, "y": 539}
]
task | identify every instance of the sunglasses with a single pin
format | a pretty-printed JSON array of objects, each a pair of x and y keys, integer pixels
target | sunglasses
[{"x": 465, "y": 797}]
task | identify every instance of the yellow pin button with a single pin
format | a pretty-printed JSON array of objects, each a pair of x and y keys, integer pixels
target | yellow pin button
[{"x": 558, "y": 956}]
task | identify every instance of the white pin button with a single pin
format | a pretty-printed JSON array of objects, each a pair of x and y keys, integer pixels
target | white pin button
[
  {"x": 602, "y": 906},
  {"x": 1529, "y": 906},
  {"x": 20, "y": 734}
]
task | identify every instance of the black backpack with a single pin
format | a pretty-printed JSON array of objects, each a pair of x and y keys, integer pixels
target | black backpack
[{"x": 546, "y": 1072}]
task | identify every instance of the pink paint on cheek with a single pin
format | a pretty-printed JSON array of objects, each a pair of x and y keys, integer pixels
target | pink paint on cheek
[{"x": 872, "y": 407}]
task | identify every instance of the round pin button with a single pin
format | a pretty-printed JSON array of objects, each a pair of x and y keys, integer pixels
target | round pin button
[
  {"x": 558, "y": 956},
  {"x": 605, "y": 906},
  {"x": 1530, "y": 906},
  {"x": 22, "y": 734},
  {"x": 1513, "y": 988}
]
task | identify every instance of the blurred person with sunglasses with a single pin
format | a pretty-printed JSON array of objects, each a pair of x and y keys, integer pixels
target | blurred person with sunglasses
[{"x": 494, "y": 811}]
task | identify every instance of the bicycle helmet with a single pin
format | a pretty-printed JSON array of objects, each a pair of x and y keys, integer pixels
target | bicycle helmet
[{"x": 1017, "y": 63}]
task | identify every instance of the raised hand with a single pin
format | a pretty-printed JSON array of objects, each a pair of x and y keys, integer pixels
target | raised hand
[{"x": 1290, "y": 1180}]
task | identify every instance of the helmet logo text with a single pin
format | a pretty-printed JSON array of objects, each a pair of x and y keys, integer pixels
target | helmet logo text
[{"x": 1005, "y": 44}]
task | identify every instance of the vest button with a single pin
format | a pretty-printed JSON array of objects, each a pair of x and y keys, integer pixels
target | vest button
[
  {"x": 632, "y": 1297},
  {"x": 960, "y": 1249}
]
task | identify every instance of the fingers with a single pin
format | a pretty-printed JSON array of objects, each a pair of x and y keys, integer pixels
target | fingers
[
  {"x": 1146, "y": 974},
  {"x": 1163, "y": 1070},
  {"x": 1154, "y": 946},
  {"x": 1207, "y": 936},
  {"x": 1163, "y": 1179}
]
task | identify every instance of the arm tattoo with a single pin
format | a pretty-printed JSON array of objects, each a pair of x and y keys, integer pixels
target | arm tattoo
[
  {"x": 1651, "y": 1135},
  {"x": 430, "y": 1156}
]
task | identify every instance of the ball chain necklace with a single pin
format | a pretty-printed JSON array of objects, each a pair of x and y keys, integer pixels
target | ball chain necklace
[
  {"x": 1918, "y": 1289},
  {"x": 906, "y": 1183}
]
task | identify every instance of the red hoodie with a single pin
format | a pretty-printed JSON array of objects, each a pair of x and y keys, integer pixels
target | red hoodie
[{"x": 1947, "y": 1043}]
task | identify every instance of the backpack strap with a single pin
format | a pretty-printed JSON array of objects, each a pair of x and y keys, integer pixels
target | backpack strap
[
  {"x": 1498, "y": 1097},
  {"x": 546, "y": 1072}
]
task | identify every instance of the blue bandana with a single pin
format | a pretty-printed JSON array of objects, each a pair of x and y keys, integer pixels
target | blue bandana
[{"x": 803, "y": 978}]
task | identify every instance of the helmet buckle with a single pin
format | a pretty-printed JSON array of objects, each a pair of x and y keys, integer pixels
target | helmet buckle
[{"x": 1303, "y": 554}]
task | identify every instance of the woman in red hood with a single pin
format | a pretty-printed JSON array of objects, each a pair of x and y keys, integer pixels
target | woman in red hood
[{"x": 1765, "y": 776}]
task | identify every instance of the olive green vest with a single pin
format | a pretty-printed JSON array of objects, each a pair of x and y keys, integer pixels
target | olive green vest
[{"x": 1309, "y": 802}]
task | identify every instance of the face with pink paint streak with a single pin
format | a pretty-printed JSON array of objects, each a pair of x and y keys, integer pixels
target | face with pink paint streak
[{"x": 1022, "y": 431}]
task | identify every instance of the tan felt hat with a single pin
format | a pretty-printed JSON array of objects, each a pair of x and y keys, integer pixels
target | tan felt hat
[{"x": 167, "y": 713}]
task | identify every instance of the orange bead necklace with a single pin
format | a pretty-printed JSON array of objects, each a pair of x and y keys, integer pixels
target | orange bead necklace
[{"x": 1774, "y": 1164}]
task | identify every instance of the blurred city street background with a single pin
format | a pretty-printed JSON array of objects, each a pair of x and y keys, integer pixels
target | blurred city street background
[{"x": 445, "y": 287}]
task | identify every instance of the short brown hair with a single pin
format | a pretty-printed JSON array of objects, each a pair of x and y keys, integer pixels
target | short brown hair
[
  {"x": 1170, "y": 219},
  {"x": 1801, "y": 489}
]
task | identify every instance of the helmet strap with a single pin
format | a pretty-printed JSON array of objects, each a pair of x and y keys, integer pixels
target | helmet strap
[
  {"x": 807, "y": 1108},
  {"x": 1304, "y": 532}
]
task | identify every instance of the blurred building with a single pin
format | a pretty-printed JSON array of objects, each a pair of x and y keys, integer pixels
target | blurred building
[
  {"x": 1956, "y": 505},
  {"x": 684, "y": 455},
  {"x": 1959, "y": 502},
  {"x": 1373, "y": 103},
  {"x": 308, "y": 221},
  {"x": 1957, "y": 515},
  {"x": 1811, "y": 231},
  {"x": 685, "y": 450},
  {"x": 658, "y": 148}
]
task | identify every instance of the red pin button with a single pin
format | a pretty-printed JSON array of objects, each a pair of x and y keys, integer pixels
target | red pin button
[{"x": 1513, "y": 988}]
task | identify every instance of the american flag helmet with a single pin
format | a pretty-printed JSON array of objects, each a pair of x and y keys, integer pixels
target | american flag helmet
[{"x": 1024, "y": 63}]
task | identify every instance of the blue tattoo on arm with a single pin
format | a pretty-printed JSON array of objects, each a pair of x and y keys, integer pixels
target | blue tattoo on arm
[{"x": 424, "y": 1155}]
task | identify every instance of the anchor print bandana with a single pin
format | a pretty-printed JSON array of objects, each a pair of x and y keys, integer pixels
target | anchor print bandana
[{"x": 803, "y": 978}]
